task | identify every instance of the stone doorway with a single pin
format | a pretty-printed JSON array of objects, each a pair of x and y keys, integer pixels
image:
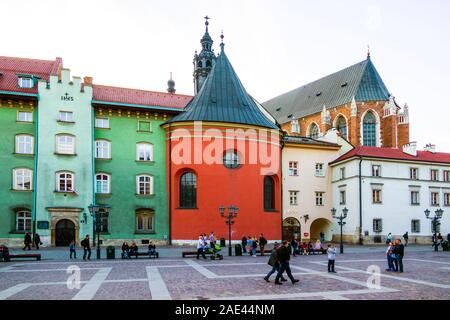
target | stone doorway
[{"x": 64, "y": 233}]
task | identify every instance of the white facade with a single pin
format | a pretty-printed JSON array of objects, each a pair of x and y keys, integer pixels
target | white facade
[{"x": 402, "y": 198}]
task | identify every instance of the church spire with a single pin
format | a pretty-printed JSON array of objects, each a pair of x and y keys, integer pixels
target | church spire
[
  {"x": 204, "y": 61},
  {"x": 222, "y": 45}
]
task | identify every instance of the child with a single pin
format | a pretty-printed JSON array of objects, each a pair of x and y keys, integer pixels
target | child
[
  {"x": 72, "y": 250},
  {"x": 331, "y": 251}
]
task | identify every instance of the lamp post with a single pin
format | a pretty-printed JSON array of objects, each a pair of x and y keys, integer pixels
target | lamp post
[
  {"x": 232, "y": 213},
  {"x": 94, "y": 209},
  {"x": 340, "y": 219},
  {"x": 435, "y": 220}
]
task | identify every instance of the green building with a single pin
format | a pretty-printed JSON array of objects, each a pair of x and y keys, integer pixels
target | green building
[{"x": 67, "y": 144}]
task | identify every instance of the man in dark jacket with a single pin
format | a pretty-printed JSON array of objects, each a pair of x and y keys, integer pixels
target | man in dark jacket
[
  {"x": 86, "y": 244},
  {"x": 37, "y": 241},
  {"x": 27, "y": 241},
  {"x": 273, "y": 262},
  {"x": 244, "y": 244},
  {"x": 283, "y": 256},
  {"x": 262, "y": 243},
  {"x": 399, "y": 251}
]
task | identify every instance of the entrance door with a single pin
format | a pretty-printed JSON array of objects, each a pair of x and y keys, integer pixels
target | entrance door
[
  {"x": 291, "y": 229},
  {"x": 65, "y": 233}
]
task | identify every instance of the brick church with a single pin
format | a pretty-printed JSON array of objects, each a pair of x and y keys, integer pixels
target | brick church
[{"x": 354, "y": 100}]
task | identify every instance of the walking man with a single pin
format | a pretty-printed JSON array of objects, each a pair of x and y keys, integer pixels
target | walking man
[
  {"x": 406, "y": 236},
  {"x": 283, "y": 256},
  {"x": 212, "y": 240},
  {"x": 262, "y": 243},
  {"x": 201, "y": 247},
  {"x": 86, "y": 244},
  {"x": 244, "y": 244},
  {"x": 37, "y": 240},
  {"x": 331, "y": 251},
  {"x": 399, "y": 251},
  {"x": 274, "y": 263},
  {"x": 27, "y": 241}
]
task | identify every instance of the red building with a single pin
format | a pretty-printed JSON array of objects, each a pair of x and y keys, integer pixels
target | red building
[{"x": 223, "y": 150}]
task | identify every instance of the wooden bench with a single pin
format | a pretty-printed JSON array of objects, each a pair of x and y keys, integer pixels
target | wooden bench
[
  {"x": 36, "y": 256},
  {"x": 194, "y": 253},
  {"x": 143, "y": 253},
  {"x": 265, "y": 251}
]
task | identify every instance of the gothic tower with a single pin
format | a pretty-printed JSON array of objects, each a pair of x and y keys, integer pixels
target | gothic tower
[{"x": 204, "y": 61}]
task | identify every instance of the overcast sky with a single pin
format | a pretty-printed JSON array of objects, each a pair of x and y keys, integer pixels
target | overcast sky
[{"x": 274, "y": 46}]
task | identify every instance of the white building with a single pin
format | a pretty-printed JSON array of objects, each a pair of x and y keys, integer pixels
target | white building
[
  {"x": 387, "y": 191},
  {"x": 307, "y": 189}
]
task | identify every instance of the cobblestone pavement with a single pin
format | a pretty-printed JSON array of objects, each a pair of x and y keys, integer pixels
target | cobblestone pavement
[{"x": 426, "y": 276}]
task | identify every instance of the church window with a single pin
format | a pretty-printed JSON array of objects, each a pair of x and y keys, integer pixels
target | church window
[
  {"x": 269, "y": 193},
  {"x": 231, "y": 159},
  {"x": 369, "y": 130},
  {"x": 314, "y": 131},
  {"x": 341, "y": 126},
  {"x": 188, "y": 190}
]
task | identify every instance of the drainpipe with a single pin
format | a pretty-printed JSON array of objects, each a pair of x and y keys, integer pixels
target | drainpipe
[
  {"x": 281, "y": 182},
  {"x": 360, "y": 202},
  {"x": 33, "y": 218},
  {"x": 93, "y": 166},
  {"x": 170, "y": 185}
]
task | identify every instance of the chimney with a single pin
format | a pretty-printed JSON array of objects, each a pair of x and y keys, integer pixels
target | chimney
[
  {"x": 410, "y": 148},
  {"x": 430, "y": 148},
  {"x": 88, "y": 80}
]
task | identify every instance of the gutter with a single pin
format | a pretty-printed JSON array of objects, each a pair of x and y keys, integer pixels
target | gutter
[
  {"x": 23, "y": 94},
  {"x": 120, "y": 104},
  {"x": 360, "y": 201}
]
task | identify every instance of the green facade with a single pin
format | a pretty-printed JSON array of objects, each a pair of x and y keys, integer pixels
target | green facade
[{"x": 11, "y": 200}]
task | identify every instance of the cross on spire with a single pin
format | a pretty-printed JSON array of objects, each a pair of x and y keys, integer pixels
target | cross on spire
[
  {"x": 206, "y": 22},
  {"x": 368, "y": 51}
]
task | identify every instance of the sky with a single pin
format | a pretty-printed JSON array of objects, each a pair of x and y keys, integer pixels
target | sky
[{"x": 274, "y": 46}]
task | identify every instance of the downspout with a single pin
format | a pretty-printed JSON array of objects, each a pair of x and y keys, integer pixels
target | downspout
[
  {"x": 360, "y": 201},
  {"x": 93, "y": 166},
  {"x": 34, "y": 215},
  {"x": 281, "y": 182},
  {"x": 170, "y": 185}
]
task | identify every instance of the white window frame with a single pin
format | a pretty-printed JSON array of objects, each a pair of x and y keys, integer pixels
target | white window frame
[
  {"x": 20, "y": 177},
  {"x": 66, "y": 116},
  {"x": 414, "y": 173},
  {"x": 293, "y": 168},
  {"x": 28, "y": 116},
  {"x": 320, "y": 198},
  {"x": 293, "y": 198},
  {"x": 446, "y": 175},
  {"x": 319, "y": 171},
  {"x": 342, "y": 173},
  {"x": 434, "y": 174},
  {"x": 66, "y": 180},
  {"x": 414, "y": 200},
  {"x": 295, "y": 127},
  {"x": 446, "y": 199},
  {"x": 147, "y": 190},
  {"x": 377, "y": 196},
  {"x": 144, "y": 152},
  {"x": 376, "y": 170},
  {"x": 105, "y": 187},
  {"x": 24, "y": 143},
  {"x": 102, "y": 149},
  {"x": 102, "y": 123},
  {"x": 25, "y": 82},
  {"x": 342, "y": 197},
  {"x": 62, "y": 144},
  {"x": 24, "y": 215},
  {"x": 434, "y": 198}
]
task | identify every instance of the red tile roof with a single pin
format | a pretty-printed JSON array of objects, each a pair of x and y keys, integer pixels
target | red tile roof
[
  {"x": 139, "y": 97},
  {"x": 11, "y": 66},
  {"x": 396, "y": 154}
]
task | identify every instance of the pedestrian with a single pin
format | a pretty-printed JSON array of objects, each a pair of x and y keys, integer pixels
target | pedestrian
[
  {"x": 37, "y": 240},
  {"x": 86, "y": 244},
  {"x": 262, "y": 243},
  {"x": 331, "y": 251},
  {"x": 322, "y": 237},
  {"x": 399, "y": 251},
  {"x": 72, "y": 250},
  {"x": 294, "y": 246},
  {"x": 406, "y": 237},
  {"x": 274, "y": 263},
  {"x": 440, "y": 239},
  {"x": 254, "y": 246},
  {"x": 389, "y": 250},
  {"x": 389, "y": 238},
  {"x": 250, "y": 245},
  {"x": 448, "y": 237},
  {"x": 201, "y": 247},
  {"x": 212, "y": 240},
  {"x": 27, "y": 241},
  {"x": 244, "y": 244},
  {"x": 434, "y": 240},
  {"x": 283, "y": 256}
]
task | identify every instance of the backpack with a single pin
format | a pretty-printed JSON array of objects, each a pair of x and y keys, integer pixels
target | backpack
[{"x": 83, "y": 243}]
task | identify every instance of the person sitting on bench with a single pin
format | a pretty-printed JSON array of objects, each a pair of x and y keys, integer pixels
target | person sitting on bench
[
  {"x": 134, "y": 249},
  {"x": 311, "y": 248},
  {"x": 318, "y": 247},
  {"x": 125, "y": 251},
  {"x": 151, "y": 249}
]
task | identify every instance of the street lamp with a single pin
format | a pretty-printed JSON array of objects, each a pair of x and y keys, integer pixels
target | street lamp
[
  {"x": 340, "y": 219},
  {"x": 94, "y": 209},
  {"x": 232, "y": 213},
  {"x": 435, "y": 220}
]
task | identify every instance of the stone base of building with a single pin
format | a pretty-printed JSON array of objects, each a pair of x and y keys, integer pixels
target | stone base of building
[
  {"x": 195, "y": 242},
  {"x": 381, "y": 239},
  {"x": 11, "y": 242}
]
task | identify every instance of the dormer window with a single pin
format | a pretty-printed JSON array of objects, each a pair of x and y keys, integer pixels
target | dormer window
[{"x": 26, "y": 82}]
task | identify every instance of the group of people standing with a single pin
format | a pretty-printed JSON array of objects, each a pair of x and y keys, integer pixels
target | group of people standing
[
  {"x": 250, "y": 244},
  {"x": 202, "y": 244},
  {"x": 394, "y": 254}
]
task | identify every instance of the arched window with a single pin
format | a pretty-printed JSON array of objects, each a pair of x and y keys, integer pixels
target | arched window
[
  {"x": 341, "y": 126},
  {"x": 22, "y": 179},
  {"x": 208, "y": 63},
  {"x": 269, "y": 193},
  {"x": 102, "y": 149},
  {"x": 144, "y": 151},
  {"x": 144, "y": 185},
  {"x": 313, "y": 131},
  {"x": 102, "y": 183},
  {"x": 24, "y": 144},
  {"x": 369, "y": 130},
  {"x": 188, "y": 190}
]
